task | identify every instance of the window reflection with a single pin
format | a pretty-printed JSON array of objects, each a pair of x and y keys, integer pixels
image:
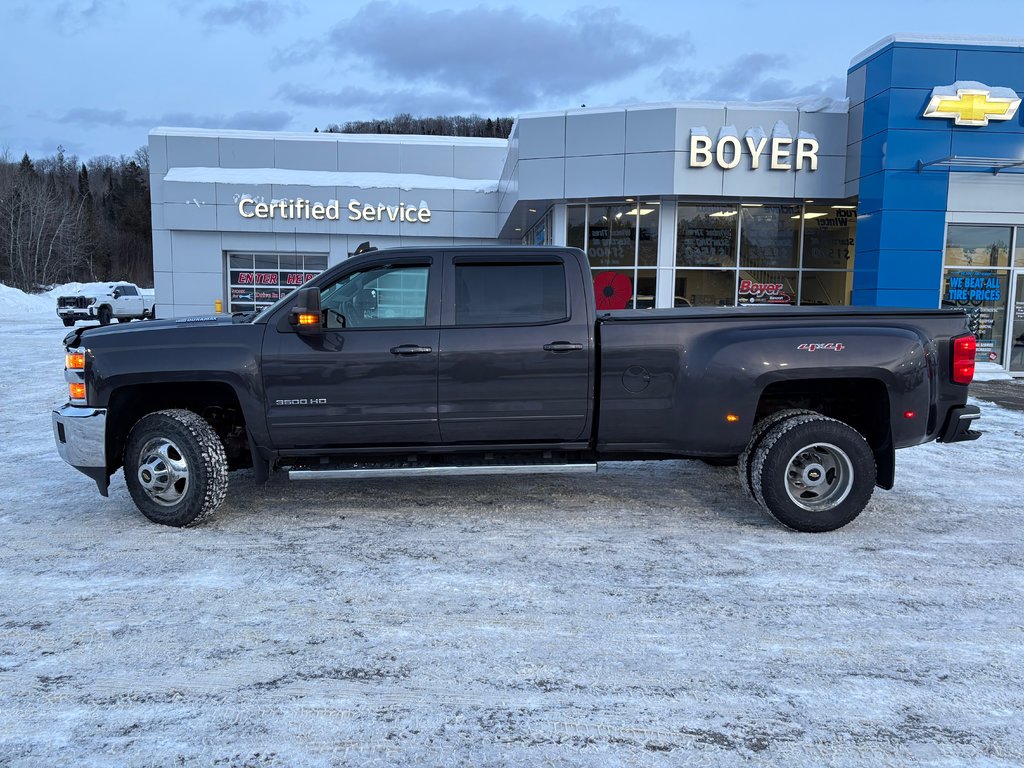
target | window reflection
[
  {"x": 706, "y": 236},
  {"x": 826, "y": 287},
  {"x": 705, "y": 287},
  {"x": 829, "y": 236},
  {"x": 973, "y": 246},
  {"x": 770, "y": 236}
]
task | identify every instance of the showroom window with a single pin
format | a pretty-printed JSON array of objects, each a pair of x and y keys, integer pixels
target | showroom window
[
  {"x": 725, "y": 252},
  {"x": 976, "y": 277},
  {"x": 621, "y": 240},
  {"x": 257, "y": 280},
  {"x": 829, "y": 236},
  {"x": 755, "y": 253},
  {"x": 539, "y": 233}
]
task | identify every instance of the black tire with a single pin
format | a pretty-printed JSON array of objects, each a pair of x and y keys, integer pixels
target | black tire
[
  {"x": 756, "y": 437},
  {"x": 68, "y": 322},
  {"x": 124, "y": 319},
  {"x": 104, "y": 315},
  {"x": 720, "y": 461},
  {"x": 813, "y": 473},
  {"x": 159, "y": 445},
  {"x": 152, "y": 313}
]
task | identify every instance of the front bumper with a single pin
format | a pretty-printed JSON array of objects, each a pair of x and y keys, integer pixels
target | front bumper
[
  {"x": 958, "y": 424},
  {"x": 76, "y": 313},
  {"x": 80, "y": 434}
]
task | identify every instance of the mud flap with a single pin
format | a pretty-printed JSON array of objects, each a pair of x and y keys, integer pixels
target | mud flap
[{"x": 885, "y": 465}]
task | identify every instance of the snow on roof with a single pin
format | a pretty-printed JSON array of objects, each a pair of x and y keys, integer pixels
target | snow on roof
[
  {"x": 800, "y": 104},
  {"x": 362, "y": 180},
  {"x": 997, "y": 41},
  {"x": 355, "y": 138},
  {"x": 998, "y": 92}
]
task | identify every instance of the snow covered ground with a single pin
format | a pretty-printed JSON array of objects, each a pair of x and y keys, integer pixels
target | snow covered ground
[{"x": 646, "y": 616}]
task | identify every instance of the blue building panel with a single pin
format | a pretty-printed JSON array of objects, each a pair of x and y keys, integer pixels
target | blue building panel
[
  {"x": 879, "y": 74},
  {"x": 905, "y": 148},
  {"x": 872, "y": 154},
  {"x": 988, "y": 144},
  {"x": 916, "y": 270},
  {"x": 876, "y": 114},
  {"x": 855, "y": 84},
  {"x": 907, "y": 107},
  {"x": 992, "y": 67},
  {"x": 924, "y": 299},
  {"x": 912, "y": 231},
  {"x": 926, "y": 190},
  {"x": 914, "y": 67},
  {"x": 869, "y": 197},
  {"x": 869, "y": 234}
]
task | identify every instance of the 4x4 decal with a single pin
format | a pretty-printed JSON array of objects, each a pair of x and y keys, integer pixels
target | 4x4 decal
[{"x": 834, "y": 346}]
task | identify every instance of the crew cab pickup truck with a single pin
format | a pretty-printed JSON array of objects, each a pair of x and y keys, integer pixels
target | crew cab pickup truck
[
  {"x": 413, "y": 362},
  {"x": 105, "y": 302}
]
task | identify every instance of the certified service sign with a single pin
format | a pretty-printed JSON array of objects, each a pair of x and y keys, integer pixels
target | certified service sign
[{"x": 971, "y": 103}]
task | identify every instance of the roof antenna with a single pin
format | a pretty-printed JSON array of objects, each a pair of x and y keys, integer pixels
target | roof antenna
[{"x": 364, "y": 248}]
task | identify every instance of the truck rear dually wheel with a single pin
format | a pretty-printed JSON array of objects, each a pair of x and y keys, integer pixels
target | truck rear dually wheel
[
  {"x": 813, "y": 473},
  {"x": 175, "y": 467}
]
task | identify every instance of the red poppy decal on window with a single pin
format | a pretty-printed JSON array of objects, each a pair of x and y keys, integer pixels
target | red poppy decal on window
[{"x": 612, "y": 290}]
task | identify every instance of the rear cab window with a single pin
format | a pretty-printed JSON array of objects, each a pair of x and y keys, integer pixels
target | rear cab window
[{"x": 509, "y": 292}]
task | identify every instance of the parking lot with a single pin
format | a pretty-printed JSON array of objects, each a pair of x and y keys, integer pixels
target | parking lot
[{"x": 648, "y": 615}]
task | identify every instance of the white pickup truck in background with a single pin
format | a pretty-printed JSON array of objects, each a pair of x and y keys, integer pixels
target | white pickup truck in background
[{"x": 105, "y": 302}]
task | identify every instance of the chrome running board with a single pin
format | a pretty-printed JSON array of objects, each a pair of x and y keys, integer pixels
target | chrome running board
[{"x": 496, "y": 469}]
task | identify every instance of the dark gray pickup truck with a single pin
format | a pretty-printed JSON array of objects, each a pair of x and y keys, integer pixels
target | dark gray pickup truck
[{"x": 415, "y": 362}]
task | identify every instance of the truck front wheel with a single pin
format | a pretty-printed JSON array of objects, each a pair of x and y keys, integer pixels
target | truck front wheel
[
  {"x": 175, "y": 467},
  {"x": 104, "y": 315},
  {"x": 813, "y": 473}
]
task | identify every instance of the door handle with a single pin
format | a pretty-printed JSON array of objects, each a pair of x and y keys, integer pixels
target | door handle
[
  {"x": 562, "y": 346},
  {"x": 410, "y": 349}
]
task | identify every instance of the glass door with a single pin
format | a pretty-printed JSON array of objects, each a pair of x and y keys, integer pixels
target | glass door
[{"x": 1016, "y": 340}]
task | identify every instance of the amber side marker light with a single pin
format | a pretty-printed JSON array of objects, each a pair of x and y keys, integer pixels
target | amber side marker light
[
  {"x": 77, "y": 390},
  {"x": 732, "y": 418},
  {"x": 309, "y": 318},
  {"x": 74, "y": 361}
]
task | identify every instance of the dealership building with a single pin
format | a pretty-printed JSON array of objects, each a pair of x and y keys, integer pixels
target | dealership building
[{"x": 908, "y": 193}]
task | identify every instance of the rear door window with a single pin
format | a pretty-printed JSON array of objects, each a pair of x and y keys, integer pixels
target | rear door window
[{"x": 510, "y": 294}]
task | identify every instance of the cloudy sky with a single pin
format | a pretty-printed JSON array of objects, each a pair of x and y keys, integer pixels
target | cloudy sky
[{"x": 95, "y": 75}]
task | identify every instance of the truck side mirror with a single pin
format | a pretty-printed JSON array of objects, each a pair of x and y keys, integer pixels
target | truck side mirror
[
  {"x": 117, "y": 293},
  {"x": 305, "y": 316}
]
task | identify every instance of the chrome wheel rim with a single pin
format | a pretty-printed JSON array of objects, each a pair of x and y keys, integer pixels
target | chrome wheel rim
[
  {"x": 163, "y": 471},
  {"x": 819, "y": 477}
]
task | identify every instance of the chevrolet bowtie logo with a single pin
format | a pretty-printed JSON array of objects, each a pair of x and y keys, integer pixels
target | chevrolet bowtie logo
[{"x": 972, "y": 103}]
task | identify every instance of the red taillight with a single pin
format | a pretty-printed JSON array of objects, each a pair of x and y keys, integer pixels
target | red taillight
[{"x": 964, "y": 349}]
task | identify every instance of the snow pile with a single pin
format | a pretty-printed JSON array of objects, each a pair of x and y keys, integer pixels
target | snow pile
[
  {"x": 16, "y": 303},
  {"x": 359, "y": 179}
]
